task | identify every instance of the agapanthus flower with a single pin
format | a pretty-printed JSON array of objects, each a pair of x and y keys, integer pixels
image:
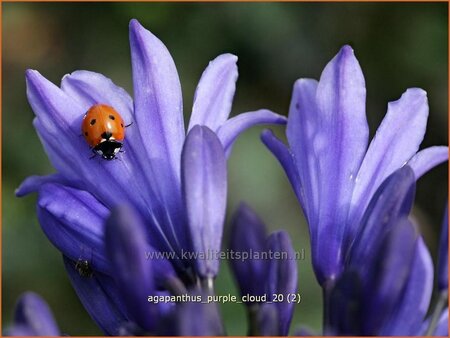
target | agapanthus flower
[
  {"x": 331, "y": 169},
  {"x": 264, "y": 276},
  {"x": 176, "y": 185},
  {"x": 387, "y": 282},
  {"x": 32, "y": 317}
]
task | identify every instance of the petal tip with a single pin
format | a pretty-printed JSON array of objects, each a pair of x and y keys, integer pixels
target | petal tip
[
  {"x": 417, "y": 91},
  {"x": 347, "y": 50},
  {"x": 227, "y": 57},
  {"x": 19, "y": 192},
  {"x": 29, "y": 72},
  {"x": 346, "y": 57},
  {"x": 137, "y": 30},
  {"x": 32, "y": 75},
  {"x": 134, "y": 24},
  {"x": 74, "y": 74},
  {"x": 266, "y": 133},
  {"x": 244, "y": 210},
  {"x": 414, "y": 97},
  {"x": 197, "y": 129},
  {"x": 28, "y": 186},
  {"x": 303, "y": 82}
]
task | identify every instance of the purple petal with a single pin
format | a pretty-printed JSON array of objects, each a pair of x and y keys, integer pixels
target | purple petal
[
  {"x": 301, "y": 130},
  {"x": 95, "y": 300},
  {"x": 33, "y": 183},
  {"x": 386, "y": 283},
  {"x": 411, "y": 311},
  {"x": 56, "y": 114},
  {"x": 33, "y": 314},
  {"x": 442, "y": 328},
  {"x": 55, "y": 109},
  {"x": 396, "y": 141},
  {"x": 215, "y": 91},
  {"x": 158, "y": 101},
  {"x": 58, "y": 125},
  {"x": 284, "y": 156},
  {"x": 339, "y": 144},
  {"x": 427, "y": 159},
  {"x": 204, "y": 177},
  {"x": 126, "y": 246},
  {"x": 443, "y": 255},
  {"x": 282, "y": 277},
  {"x": 231, "y": 129},
  {"x": 159, "y": 118},
  {"x": 89, "y": 88},
  {"x": 73, "y": 221},
  {"x": 392, "y": 201},
  {"x": 248, "y": 236}
]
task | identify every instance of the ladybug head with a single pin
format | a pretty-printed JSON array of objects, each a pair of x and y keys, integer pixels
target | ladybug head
[{"x": 108, "y": 149}]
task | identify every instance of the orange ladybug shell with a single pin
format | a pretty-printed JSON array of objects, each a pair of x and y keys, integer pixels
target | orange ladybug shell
[{"x": 101, "y": 120}]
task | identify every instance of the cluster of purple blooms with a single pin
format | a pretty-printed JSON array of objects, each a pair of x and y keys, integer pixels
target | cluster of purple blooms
[{"x": 168, "y": 193}]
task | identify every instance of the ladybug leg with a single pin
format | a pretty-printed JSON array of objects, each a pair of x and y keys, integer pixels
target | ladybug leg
[{"x": 128, "y": 125}]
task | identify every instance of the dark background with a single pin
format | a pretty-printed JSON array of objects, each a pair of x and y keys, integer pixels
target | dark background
[{"x": 398, "y": 45}]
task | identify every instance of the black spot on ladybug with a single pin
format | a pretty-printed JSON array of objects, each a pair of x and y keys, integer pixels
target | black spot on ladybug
[
  {"x": 85, "y": 133},
  {"x": 93, "y": 122},
  {"x": 112, "y": 117},
  {"x": 121, "y": 125}
]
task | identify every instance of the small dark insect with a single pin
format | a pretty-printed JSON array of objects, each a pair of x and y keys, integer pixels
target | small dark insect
[{"x": 83, "y": 268}]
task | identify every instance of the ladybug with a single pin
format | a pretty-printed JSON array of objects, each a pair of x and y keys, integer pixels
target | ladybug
[{"x": 104, "y": 130}]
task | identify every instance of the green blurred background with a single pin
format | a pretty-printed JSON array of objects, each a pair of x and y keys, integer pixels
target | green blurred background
[{"x": 398, "y": 46}]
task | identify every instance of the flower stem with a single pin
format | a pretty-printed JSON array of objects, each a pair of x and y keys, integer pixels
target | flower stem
[
  {"x": 208, "y": 285},
  {"x": 441, "y": 302},
  {"x": 175, "y": 286},
  {"x": 253, "y": 324},
  {"x": 326, "y": 288}
]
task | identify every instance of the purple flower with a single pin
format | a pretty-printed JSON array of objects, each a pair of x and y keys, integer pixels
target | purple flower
[
  {"x": 174, "y": 185},
  {"x": 332, "y": 169},
  {"x": 33, "y": 317},
  {"x": 117, "y": 299},
  {"x": 268, "y": 276},
  {"x": 392, "y": 271}
]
